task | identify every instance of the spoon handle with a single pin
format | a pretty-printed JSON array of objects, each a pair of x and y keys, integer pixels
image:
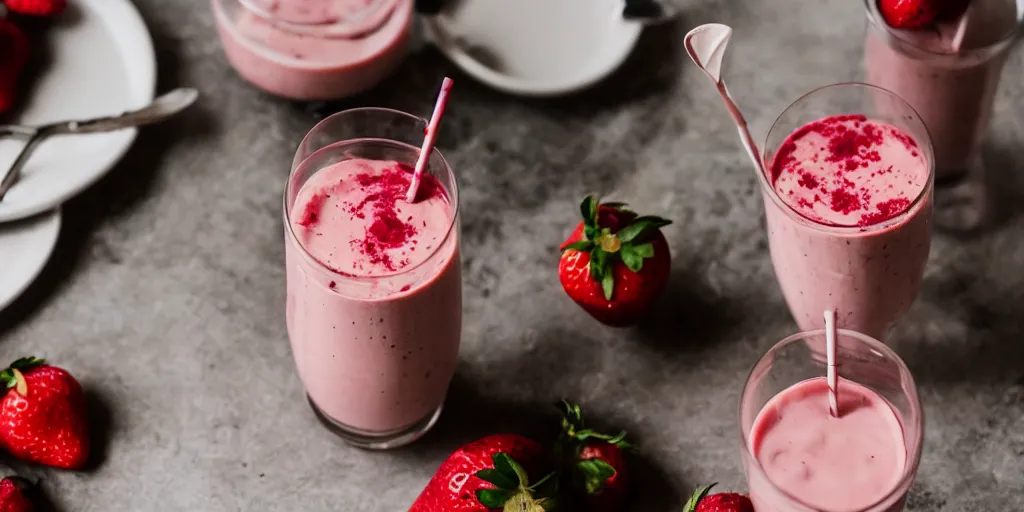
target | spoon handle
[
  {"x": 162, "y": 108},
  {"x": 15, "y": 171}
]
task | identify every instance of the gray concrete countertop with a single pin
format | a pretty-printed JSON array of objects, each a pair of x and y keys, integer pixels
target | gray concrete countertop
[{"x": 165, "y": 296}]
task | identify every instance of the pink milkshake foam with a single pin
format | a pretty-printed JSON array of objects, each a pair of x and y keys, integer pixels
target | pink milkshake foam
[
  {"x": 355, "y": 221},
  {"x": 375, "y": 331},
  {"x": 849, "y": 171},
  {"x": 842, "y": 464}
]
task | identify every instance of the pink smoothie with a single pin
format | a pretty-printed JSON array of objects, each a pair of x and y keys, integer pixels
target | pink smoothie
[
  {"x": 849, "y": 221},
  {"x": 843, "y": 464},
  {"x": 951, "y": 87},
  {"x": 313, "y": 65},
  {"x": 374, "y": 305}
]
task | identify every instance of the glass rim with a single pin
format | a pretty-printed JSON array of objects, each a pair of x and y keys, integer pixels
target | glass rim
[
  {"x": 913, "y": 456},
  {"x": 453, "y": 194},
  {"x": 887, "y": 224},
  {"x": 875, "y": 20},
  {"x": 364, "y": 21}
]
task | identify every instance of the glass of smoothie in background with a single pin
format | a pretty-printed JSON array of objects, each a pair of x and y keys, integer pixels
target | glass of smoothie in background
[
  {"x": 314, "y": 49},
  {"x": 951, "y": 85},
  {"x": 848, "y": 203},
  {"x": 798, "y": 458},
  {"x": 374, "y": 286}
]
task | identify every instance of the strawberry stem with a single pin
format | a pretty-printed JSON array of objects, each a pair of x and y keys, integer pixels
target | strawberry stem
[
  {"x": 9, "y": 377},
  {"x": 20, "y": 386}
]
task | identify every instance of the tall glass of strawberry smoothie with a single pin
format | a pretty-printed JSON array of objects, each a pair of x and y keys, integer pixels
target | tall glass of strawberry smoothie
[
  {"x": 314, "y": 49},
  {"x": 949, "y": 78},
  {"x": 374, "y": 287},
  {"x": 848, "y": 203},
  {"x": 799, "y": 458}
]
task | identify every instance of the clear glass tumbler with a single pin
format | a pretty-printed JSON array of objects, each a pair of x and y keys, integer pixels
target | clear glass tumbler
[
  {"x": 861, "y": 359},
  {"x": 376, "y": 351},
  {"x": 869, "y": 274},
  {"x": 952, "y": 92}
]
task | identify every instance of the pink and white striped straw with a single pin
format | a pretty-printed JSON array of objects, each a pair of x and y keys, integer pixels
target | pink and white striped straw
[
  {"x": 831, "y": 373},
  {"x": 429, "y": 136}
]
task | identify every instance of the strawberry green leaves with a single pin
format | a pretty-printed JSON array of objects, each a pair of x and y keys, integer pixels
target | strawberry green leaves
[
  {"x": 513, "y": 491},
  {"x": 9, "y": 379},
  {"x": 641, "y": 228},
  {"x": 629, "y": 244},
  {"x": 698, "y": 494},
  {"x": 573, "y": 427},
  {"x": 594, "y": 472},
  {"x": 589, "y": 210},
  {"x": 594, "y": 462},
  {"x": 633, "y": 256}
]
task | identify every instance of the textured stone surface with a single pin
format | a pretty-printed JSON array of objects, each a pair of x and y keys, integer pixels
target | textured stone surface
[{"x": 166, "y": 293}]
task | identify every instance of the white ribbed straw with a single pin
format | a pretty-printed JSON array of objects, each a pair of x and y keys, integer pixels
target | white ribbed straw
[
  {"x": 831, "y": 373},
  {"x": 428, "y": 139}
]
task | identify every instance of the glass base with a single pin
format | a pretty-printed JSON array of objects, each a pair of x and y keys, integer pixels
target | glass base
[
  {"x": 387, "y": 440},
  {"x": 962, "y": 202}
]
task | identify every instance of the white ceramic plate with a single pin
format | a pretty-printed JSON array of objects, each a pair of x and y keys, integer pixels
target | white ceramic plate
[
  {"x": 535, "y": 47},
  {"x": 102, "y": 63},
  {"x": 25, "y": 245}
]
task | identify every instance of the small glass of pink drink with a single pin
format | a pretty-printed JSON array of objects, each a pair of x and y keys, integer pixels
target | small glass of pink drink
[
  {"x": 848, "y": 202},
  {"x": 950, "y": 81},
  {"x": 313, "y": 50},
  {"x": 374, "y": 287},
  {"x": 799, "y": 458}
]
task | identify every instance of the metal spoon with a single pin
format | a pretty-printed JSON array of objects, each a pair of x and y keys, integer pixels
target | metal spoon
[
  {"x": 163, "y": 107},
  {"x": 706, "y": 46}
]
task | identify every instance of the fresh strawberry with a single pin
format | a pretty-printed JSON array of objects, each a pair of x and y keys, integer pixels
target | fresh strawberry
[
  {"x": 12, "y": 497},
  {"x": 721, "y": 502},
  {"x": 615, "y": 263},
  {"x": 491, "y": 474},
  {"x": 36, "y": 7},
  {"x": 14, "y": 52},
  {"x": 909, "y": 13},
  {"x": 594, "y": 461},
  {"x": 42, "y": 416}
]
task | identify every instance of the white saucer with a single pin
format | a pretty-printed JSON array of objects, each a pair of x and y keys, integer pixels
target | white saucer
[
  {"x": 535, "y": 47},
  {"x": 25, "y": 245},
  {"x": 102, "y": 63}
]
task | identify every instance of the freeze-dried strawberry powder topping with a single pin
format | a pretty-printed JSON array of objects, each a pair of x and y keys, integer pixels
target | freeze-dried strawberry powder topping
[
  {"x": 353, "y": 217},
  {"x": 849, "y": 171}
]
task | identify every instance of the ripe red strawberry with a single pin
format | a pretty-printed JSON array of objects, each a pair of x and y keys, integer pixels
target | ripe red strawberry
[
  {"x": 490, "y": 474},
  {"x": 594, "y": 462},
  {"x": 36, "y": 7},
  {"x": 42, "y": 415},
  {"x": 721, "y": 502},
  {"x": 615, "y": 263},
  {"x": 12, "y": 497},
  {"x": 909, "y": 13},
  {"x": 14, "y": 53}
]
